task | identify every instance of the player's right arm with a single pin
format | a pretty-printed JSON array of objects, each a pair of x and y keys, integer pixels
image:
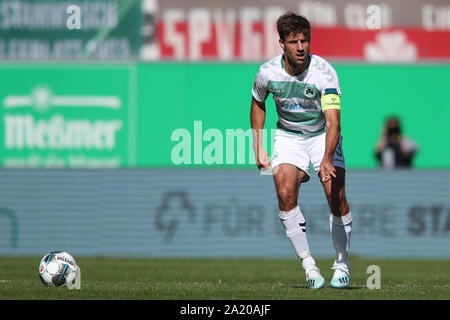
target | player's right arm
[{"x": 257, "y": 119}]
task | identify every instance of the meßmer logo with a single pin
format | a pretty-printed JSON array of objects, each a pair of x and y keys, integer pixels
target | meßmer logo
[{"x": 47, "y": 129}]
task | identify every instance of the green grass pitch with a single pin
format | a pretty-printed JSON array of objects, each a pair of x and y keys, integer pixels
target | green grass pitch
[{"x": 224, "y": 279}]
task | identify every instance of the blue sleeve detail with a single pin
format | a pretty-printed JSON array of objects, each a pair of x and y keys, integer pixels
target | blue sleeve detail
[{"x": 331, "y": 91}]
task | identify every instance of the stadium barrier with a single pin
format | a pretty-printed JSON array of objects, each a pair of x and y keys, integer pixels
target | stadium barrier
[{"x": 214, "y": 213}]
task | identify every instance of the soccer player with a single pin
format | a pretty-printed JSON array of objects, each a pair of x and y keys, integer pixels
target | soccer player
[{"x": 306, "y": 92}]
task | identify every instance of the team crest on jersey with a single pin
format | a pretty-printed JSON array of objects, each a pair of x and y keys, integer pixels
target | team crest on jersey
[{"x": 309, "y": 92}]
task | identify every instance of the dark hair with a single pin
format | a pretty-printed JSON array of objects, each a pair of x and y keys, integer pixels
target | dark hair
[{"x": 293, "y": 23}]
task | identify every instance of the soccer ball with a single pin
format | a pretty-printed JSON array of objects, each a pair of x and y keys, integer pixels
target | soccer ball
[{"x": 57, "y": 268}]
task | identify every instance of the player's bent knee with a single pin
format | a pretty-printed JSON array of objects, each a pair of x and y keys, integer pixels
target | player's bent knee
[{"x": 287, "y": 198}]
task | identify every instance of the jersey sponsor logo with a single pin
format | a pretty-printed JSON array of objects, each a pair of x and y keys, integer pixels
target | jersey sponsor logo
[{"x": 298, "y": 107}]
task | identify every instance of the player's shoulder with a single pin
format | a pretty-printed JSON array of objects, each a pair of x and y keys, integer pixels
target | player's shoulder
[
  {"x": 322, "y": 68},
  {"x": 320, "y": 64},
  {"x": 271, "y": 66}
]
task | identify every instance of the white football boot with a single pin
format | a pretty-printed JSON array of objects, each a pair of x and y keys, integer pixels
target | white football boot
[
  {"x": 313, "y": 277},
  {"x": 341, "y": 276}
]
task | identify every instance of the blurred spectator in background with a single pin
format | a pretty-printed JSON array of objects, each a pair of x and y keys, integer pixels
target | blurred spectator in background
[{"x": 393, "y": 149}]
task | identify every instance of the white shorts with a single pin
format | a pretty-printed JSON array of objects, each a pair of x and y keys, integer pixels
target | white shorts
[{"x": 303, "y": 151}]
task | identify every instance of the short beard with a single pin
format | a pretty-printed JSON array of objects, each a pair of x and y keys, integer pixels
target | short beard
[{"x": 296, "y": 65}]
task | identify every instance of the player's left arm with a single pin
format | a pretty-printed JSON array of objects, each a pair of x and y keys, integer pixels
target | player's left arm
[{"x": 331, "y": 107}]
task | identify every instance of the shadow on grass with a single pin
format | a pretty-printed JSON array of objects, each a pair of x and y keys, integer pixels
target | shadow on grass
[{"x": 329, "y": 287}]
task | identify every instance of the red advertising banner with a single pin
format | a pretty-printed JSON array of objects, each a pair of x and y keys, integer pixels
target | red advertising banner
[
  {"x": 389, "y": 45},
  {"x": 396, "y": 31}
]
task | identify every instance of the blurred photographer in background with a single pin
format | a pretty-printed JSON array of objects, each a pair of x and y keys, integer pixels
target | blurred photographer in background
[{"x": 393, "y": 149}]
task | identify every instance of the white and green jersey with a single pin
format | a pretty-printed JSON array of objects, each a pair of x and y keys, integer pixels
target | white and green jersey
[{"x": 298, "y": 98}]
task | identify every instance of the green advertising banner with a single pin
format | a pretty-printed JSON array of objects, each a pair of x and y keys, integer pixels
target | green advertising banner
[
  {"x": 198, "y": 114},
  {"x": 77, "y": 116},
  {"x": 65, "y": 30}
]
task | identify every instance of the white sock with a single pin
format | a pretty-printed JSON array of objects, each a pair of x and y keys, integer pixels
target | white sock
[
  {"x": 295, "y": 226},
  {"x": 341, "y": 229}
]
